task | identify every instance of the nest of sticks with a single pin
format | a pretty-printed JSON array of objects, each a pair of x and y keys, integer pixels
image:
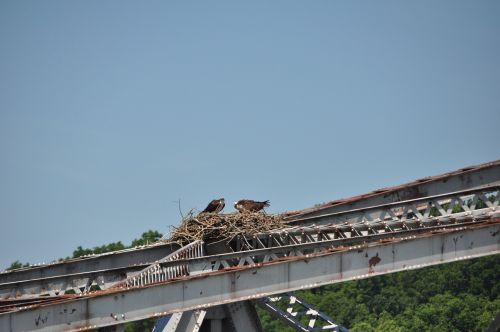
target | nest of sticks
[{"x": 213, "y": 227}]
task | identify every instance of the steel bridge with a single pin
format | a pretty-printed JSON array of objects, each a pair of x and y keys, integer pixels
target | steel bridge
[{"x": 215, "y": 286}]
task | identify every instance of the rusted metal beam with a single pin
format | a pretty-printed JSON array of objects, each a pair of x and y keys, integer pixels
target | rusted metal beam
[
  {"x": 81, "y": 283},
  {"x": 108, "y": 261},
  {"x": 258, "y": 280},
  {"x": 75, "y": 283},
  {"x": 463, "y": 179},
  {"x": 97, "y": 272},
  {"x": 183, "y": 321},
  {"x": 359, "y": 226},
  {"x": 421, "y": 210},
  {"x": 243, "y": 316}
]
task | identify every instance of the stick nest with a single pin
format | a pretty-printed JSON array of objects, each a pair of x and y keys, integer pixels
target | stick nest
[{"x": 212, "y": 227}]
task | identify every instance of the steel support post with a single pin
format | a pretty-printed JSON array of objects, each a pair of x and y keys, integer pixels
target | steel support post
[
  {"x": 188, "y": 321},
  {"x": 244, "y": 317}
]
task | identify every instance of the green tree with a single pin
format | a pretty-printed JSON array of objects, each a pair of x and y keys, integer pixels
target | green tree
[
  {"x": 113, "y": 246},
  {"x": 362, "y": 327},
  {"x": 146, "y": 238},
  {"x": 386, "y": 323},
  {"x": 141, "y": 325},
  {"x": 17, "y": 265}
]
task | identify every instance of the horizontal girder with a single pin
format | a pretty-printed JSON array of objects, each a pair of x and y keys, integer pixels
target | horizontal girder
[
  {"x": 374, "y": 223},
  {"x": 216, "y": 284},
  {"x": 92, "y": 263},
  {"x": 81, "y": 283},
  {"x": 421, "y": 209},
  {"x": 464, "y": 203},
  {"x": 463, "y": 179}
]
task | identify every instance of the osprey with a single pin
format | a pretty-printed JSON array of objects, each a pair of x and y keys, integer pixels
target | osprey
[
  {"x": 247, "y": 205},
  {"x": 215, "y": 206}
]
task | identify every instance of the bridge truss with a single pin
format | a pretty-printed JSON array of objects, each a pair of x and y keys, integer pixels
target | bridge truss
[{"x": 357, "y": 238}]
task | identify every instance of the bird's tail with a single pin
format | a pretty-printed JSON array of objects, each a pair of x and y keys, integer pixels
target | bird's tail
[{"x": 266, "y": 203}]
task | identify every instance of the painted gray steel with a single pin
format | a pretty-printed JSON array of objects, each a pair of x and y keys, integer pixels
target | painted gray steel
[{"x": 259, "y": 280}]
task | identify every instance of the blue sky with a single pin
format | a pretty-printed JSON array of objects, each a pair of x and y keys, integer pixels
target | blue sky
[{"x": 112, "y": 111}]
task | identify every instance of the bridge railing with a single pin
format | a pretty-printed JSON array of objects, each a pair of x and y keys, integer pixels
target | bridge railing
[{"x": 158, "y": 273}]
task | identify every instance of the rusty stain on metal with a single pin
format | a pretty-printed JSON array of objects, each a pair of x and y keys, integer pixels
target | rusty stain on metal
[
  {"x": 234, "y": 269},
  {"x": 372, "y": 262},
  {"x": 387, "y": 240}
]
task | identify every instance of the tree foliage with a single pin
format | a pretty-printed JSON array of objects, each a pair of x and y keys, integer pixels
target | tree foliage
[
  {"x": 141, "y": 325},
  {"x": 113, "y": 246},
  {"x": 17, "y": 265},
  {"x": 460, "y": 296},
  {"x": 147, "y": 238}
]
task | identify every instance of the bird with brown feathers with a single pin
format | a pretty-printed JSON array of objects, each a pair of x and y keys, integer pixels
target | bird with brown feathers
[
  {"x": 215, "y": 206},
  {"x": 248, "y": 205}
]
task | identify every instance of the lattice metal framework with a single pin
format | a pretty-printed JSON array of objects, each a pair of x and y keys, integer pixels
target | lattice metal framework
[
  {"x": 384, "y": 221},
  {"x": 55, "y": 287},
  {"x": 157, "y": 273},
  {"x": 193, "y": 292},
  {"x": 337, "y": 230},
  {"x": 292, "y": 310},
  {"x": 351, "y": 231}
]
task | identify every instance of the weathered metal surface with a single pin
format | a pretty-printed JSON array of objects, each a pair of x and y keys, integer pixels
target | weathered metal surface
[
  {"x": 258, "y": 280},
  {"x": 112, "y": 260},
  {"x": 297, "y": 308},
  {"x": 156, "y": 273},
  {"x": 117, "y": 265},
  {"x": 282, "y": 253},
  {"x": 238, "y": 317},
  {"x": 243, "y": 316},
  {"x": 367, "y": 225},
  {"x": 463, "y": 179},
  {"x": 162, "y": 322},
  {"x": 234, "y": 317},
  {"x": 100, "y": 271},
  {"x": 423, "y": 210},
  {"x": 331, "y": 228},
  {"x": 59, "y": 285},
  {"x": 184, "y": 321}
]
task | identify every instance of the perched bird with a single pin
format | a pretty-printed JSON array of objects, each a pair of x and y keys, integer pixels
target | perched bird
[
  {"x": 215, "y": 206},
  {"x": 247, "y": 205}
]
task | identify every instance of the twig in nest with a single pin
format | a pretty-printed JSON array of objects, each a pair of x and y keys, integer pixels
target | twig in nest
[{"x": 212, "y": 227}]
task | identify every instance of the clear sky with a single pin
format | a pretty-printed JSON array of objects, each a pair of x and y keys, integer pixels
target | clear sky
[{"x": 111, "y": 111}]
